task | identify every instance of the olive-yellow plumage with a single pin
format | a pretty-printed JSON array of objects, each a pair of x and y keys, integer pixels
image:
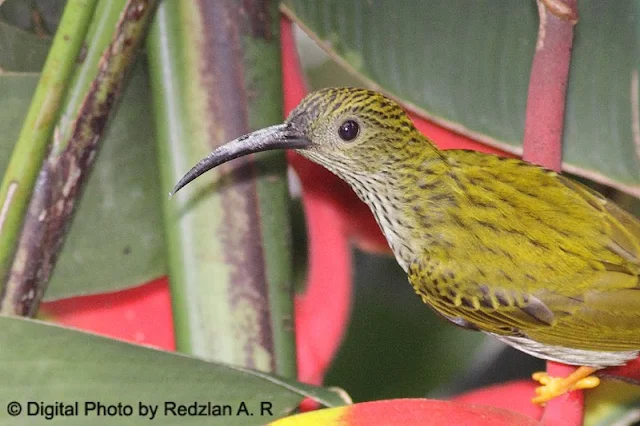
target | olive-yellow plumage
[{"x": 532, "y": 257}]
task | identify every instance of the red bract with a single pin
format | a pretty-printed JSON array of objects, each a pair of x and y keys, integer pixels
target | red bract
[
  {"x": 515, "y": 396},
  {"x": 139, "y": 315},
  {"x": 434, "y": 412},
  {"x": 410, "y": 412}
]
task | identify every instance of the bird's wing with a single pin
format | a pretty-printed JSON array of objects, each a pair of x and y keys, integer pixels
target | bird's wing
[
  {"x": 613, "y": 299},
  {"x": 553, "y": 260},
  {"x": 541, "y": 315},
  {"x": 623, "y": 227},
  {"x": 461, "y": 298}
]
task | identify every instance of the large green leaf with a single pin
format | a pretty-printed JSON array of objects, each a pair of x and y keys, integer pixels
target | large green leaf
[
  {"x": 41, "y": 16},
  {"x": 21, "y": 51},
  {"x": 116, "y": 239},
  {"x": 466, "y": 64},
  {"x": 57, "y": 365}
]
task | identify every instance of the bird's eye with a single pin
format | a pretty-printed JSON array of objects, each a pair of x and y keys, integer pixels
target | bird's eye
[{"x": 348, "y": 130}]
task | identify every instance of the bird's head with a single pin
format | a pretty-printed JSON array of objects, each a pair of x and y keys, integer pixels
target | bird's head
[{"x": 352, "y": 132}]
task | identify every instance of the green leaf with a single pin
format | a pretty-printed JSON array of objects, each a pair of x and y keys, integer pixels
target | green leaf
[
  {"x": 21, "y": 51},
  {"x": 116, "y": 238},
  {"x": 60, "y": 365},
  {"x": 466, "y": 65},
  {"x": 612, "y": 403},
  {"x": 21, "y": 13}
]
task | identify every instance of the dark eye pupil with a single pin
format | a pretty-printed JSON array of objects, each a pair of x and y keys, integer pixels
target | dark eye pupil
[{"x": 348, "y": 130}]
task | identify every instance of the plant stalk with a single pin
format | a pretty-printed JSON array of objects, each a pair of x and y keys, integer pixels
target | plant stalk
[
  {"x": 228, "y": 233},
  {"x": 116, "y": 34},
  {"x": 31, "y": 148}
]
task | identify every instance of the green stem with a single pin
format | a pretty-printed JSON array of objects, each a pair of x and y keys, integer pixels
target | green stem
[
  {"x": 98, "y": 38},
  {"x": 228, "y": 242},
  {"x": 113, "y": 41},
  {"x": 31, "y": 148}
]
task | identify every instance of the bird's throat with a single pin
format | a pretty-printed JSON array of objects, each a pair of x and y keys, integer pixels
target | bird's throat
[{"x": 405, "y": 203}]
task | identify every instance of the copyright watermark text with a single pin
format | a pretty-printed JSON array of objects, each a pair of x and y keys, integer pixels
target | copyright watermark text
[{"x": 151, "y": 411}]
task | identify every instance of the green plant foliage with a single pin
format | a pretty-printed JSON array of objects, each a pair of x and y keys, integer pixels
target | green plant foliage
[
  {"x": 57, "y": 365},
  {"x": 119, "y": 220},
  {"x": 467, "y": 65}
]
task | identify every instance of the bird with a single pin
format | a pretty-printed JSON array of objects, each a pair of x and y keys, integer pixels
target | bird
[{"x": 522, "y": 253}]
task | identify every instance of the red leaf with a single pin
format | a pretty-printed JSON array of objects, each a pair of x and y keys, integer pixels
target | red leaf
[
  {"x": 515, "y": 396},
  {"x": 433, "y": 412},
  {"x": 403, "y": 412},
  {"x": 139, "y": 315}
]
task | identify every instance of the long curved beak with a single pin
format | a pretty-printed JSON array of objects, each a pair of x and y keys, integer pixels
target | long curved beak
[{"x": 281, "y": 136}]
